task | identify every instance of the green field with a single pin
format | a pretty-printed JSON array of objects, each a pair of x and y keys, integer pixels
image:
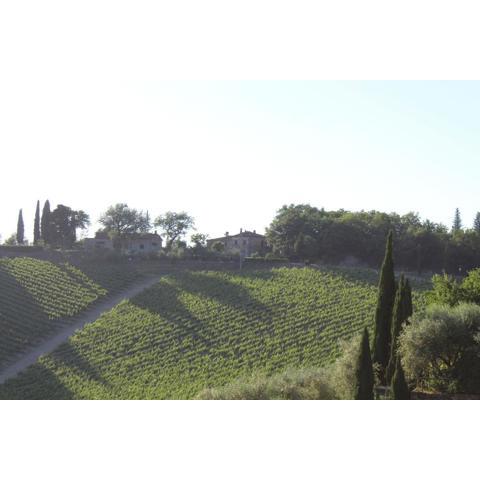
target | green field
[
  {"x": 194, "y": 330},
  {"x": 38, "y": 297}
]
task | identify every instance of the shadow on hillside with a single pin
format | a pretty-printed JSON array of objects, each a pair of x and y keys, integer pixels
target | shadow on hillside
[
  {"x": 163, "y": 299},
  {"x": 68, "y": 355},
  {"x": 221, "y": 289},
  {"x": 35, "y": 383}
]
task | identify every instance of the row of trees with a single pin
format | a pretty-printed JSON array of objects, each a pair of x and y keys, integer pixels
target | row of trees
[
  {"x": 119, "y": 221},
  {"x": 306, "y": 232},
  {"x": 57, "y": 228}
]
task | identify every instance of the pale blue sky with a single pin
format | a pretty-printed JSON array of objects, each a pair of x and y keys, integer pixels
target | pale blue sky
[{"x": 232, "y": 153}]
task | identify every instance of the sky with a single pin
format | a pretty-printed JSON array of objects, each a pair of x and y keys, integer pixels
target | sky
[{"x": 231, "y": 153}]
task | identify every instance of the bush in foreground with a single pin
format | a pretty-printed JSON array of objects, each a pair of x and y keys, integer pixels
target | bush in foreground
[
  {"x": 313, "y": 384},
  {"x": 440, "y": 349}
]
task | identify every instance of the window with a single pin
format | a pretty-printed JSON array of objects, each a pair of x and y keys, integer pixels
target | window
[
  {"x": 244, "y": 242},
  {"x": 236, "y": 242},
  {"x": 154, "y": 244},
  {"x": 142, "y": 246}
]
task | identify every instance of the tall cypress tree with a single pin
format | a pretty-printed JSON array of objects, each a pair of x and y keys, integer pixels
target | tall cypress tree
[
  {"x": 402, "y": 310},
  {"x": 36, "y": 224},
  {"x": 457, "y": 221},
  {"x": 45, "y": 222},
  {"x": 384, "y": 310},
  {"x": 476, "y": 223},
  {"x": 20, "y": 229},
  {"x": 400, "y": 390},
  {"x": 364, "y": 371}
]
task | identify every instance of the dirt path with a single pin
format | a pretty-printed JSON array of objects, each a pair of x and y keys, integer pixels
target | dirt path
[{"x": 89, "y": 316}]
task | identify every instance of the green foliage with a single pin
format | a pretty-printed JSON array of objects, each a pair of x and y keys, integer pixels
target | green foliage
[
  {"x": 303, "y": 384},
  {"x": 457, "y": 222},
  {"x": 476, "y": 223},
  {"x": 36, "y": 225},
  {"x": 384, "y": 310},
  {"x": 364, "y": 371},
  {"x": 46, "y": 228},
  {"x": 400, "y": 390},
  {"x": 20, "y": 229},
  {"x": 196, "y": 330},
  {"x": 337, "y": 235},
  {"x": 120, "y": 220},
  {"x": 449, "y": 291},
  {"x": 471, "y": 287},
  {"x": 63, "y": 225},
  {"x": 440, "y": 349},
  {"x": 306, "y": 247},
  {"x": 174, "y": 225},
  {"x": 446, "y": 291},
  {"x": 402, "y": 310}
]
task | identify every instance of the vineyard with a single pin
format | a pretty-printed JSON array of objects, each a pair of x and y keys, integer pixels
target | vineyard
[
  {"x": 38, "y": 297},
  {"x": 194, "y": 330}
]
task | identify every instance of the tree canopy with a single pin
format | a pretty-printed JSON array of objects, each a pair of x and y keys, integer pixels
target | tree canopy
[
  {"x": 64, "y": 223},
  {"x": 119, "y": 219},
  {"x": 174, "y": 225},
  {"x": 302, "y": 231}
]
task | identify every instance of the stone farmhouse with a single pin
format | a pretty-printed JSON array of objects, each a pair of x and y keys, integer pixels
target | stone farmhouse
[
  {"x": 132, "y": 244},
  {"x": 245, "y": 243}
]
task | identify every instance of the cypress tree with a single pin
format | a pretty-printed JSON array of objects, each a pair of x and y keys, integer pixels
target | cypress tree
[
  {"x": 408, "y": 300},
  {"x": 457, "y": 221},
  {"x": 384, "y": 310},
  {"x": 45, "y": 223},
  {"x": 476, "y": 223},
  {"x": 36, "y": 224},
  {"x": 20, "y": 229},
  {"x": 400, "y": 390},
  {"x": 364, "y": 371},
  {"x": 401, "y": 312}
]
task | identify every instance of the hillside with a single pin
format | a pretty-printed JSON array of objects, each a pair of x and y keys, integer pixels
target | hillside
[
  {"x": 200, "y": 329},
  {"x": 37, "y": 297}
]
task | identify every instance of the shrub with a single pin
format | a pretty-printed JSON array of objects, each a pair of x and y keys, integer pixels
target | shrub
[
  {"x": 446, "y": 291},
  {"x": 440, "y": 349},
  {"x": 449, "y": 291},
  {"x": 471, "y": 286},
  {"x": 311, "y": 384}
]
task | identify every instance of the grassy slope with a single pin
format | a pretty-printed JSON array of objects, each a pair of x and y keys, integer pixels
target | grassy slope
[
  {"x": 37, "y": 297},
  {"x": 202, "y": 329}
]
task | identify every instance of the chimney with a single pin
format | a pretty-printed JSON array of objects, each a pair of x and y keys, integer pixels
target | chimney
[
  {"x": 254, "y": 231},
  {"x": 241, "y": 230},
  {"x": 226, "y": 234}
]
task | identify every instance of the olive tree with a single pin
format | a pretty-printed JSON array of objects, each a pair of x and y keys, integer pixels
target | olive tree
[{"x": 440, "y": 349}]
